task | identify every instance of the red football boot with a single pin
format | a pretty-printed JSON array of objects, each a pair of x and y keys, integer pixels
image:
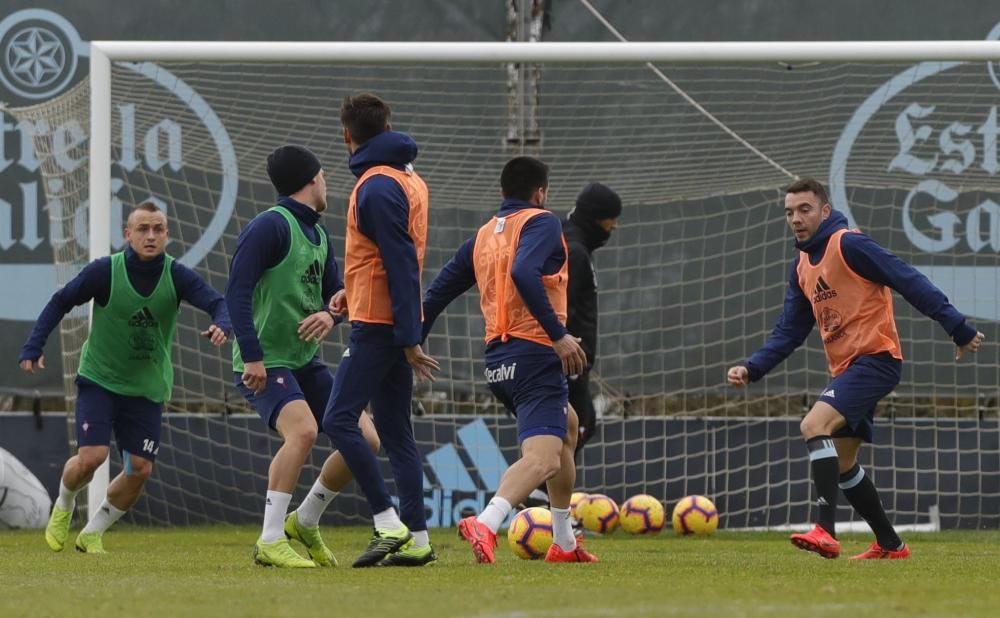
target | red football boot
[
  {"x": 875, "y": 552},
  {"x": 817, "y": 540},
  {"x": 578, "y": 554},
  {"x": 483, "y": 540}
]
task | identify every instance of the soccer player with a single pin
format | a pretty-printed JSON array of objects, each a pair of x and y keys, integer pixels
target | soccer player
[
  {"x": 284, "y": 291},
  {"x": 125, "y": 370},
  {"x": 386, "y": 236},
  {"x": 841, "y": 280},
  {"x": 518, "y": 260},
  {"x": 587, "y": 228}
]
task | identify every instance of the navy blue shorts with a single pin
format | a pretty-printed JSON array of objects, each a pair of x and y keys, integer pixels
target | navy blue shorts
[
  {"x": 855, "y": 393},
  {"x": 135, "y": 421},
  {"x": 534, "y": 390},
  {"x": 311, "y": 383}
]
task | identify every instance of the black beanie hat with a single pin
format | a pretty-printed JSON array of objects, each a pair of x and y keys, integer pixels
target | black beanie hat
[
  {"x": 597, "y": 201},
  {"x": 291, "y": 168}
]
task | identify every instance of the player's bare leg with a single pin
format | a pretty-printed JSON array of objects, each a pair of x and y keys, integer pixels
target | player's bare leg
[
  {"x": 560, "y": 486},
  {"x": 79, "y": 469},
  {"x": 123, "y": 492},
  {"x": 303, "y": 523},
  {"x": 565, "y": 546},
  {"x": 125, "y": 489},
  {"x": 298, "y": 428},
  {"x": 541, "y": 459},
  {"x": 77, "y": 472}
]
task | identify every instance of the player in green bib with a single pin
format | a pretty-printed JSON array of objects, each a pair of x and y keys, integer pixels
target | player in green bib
[
  {"x": 285, "y": 293},
  {"x": 125, "y": 370}
]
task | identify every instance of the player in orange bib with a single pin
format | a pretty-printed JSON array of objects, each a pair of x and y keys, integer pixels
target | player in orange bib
[
  {"x": 841, "y": 281},
  {"x": 518, "y": 260},
  {"x": 383, "y": 258}
]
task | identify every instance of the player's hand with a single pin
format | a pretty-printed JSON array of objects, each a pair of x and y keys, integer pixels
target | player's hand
[
  {"x": 423, "y": 365},
  {"x": 972, "y": 347},
  {"x": 316, "y": 326},
  {"x": 29, "y": 366},
  {"x": 574, "y": 359},
  {"x": 215, "y": 334},
  {"x": 738, "y": 375},
  {"x": 255, "y": 376},
  {"x": 338, "y": 304}
]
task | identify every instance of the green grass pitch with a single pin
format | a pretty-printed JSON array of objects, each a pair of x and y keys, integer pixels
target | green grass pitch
[{"x": 207, "y": 571}]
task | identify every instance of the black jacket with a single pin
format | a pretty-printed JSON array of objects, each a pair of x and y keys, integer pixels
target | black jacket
[{"x": 582, "y": 238}]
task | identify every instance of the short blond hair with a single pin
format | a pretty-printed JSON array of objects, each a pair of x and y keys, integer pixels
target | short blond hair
[{"x": 146, "y": 206}]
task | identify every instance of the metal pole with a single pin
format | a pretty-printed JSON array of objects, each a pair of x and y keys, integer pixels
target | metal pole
[{"x": 100, "y": 207}]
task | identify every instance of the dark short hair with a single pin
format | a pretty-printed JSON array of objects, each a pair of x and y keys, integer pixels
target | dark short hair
[
  {"x": 522, "y": 176},
  {"x": 365, "y": 116},
  {"x": 809, "y": 184}
]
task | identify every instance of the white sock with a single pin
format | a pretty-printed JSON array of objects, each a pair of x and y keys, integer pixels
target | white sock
[
  {"x": 421, "y": 538},
  {"x": 67, "y": 497},
  {"x": 275, "y": 509},
  {"x": 388, "y": 520},
  {"x": 495, "y": 513},
  {"x": 538, "y": 494},
  {"x": 562, "y": 529},
  {"x": 315, "y": 503},
  {"x": 100, "y": 521}
]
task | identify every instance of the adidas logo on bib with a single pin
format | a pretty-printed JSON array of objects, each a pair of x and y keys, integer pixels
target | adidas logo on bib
[
  {"x": 823, "y": 291},
  {"x": 143, "y": 318},
  {"x": 313, "y": 273}
]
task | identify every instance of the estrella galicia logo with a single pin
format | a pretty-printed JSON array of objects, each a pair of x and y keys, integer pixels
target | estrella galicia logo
[
  {"x": 313, "y": 273},
  {"x": 40, "y": 53},
  {"x": 157, "y": 121},
  {"x": 143, "y": 318},
  {"x": 945, "y": 162}
]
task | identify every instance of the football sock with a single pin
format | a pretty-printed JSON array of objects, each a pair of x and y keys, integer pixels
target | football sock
[
  {"x": 861, "y": 493},
  {"x": 562, "y": 529},
  {"x": 538, "y": 494},
  {"x": 826, "y": 472},
  {"x": 67, "y": 497},
  {"x": 275, "y": 509},
  {"x": 388, "y": 520},
  {"x": 421, "y": 538},
  {"x": 495, "y": 513},
  {"x": 106, "y": 515},
  {"x": 315, "y": 503}
]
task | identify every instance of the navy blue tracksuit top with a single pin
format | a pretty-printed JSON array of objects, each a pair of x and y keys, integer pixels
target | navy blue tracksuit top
[
  {"x": 540, "y": 252},
  {"x": 869, "y": 260}
]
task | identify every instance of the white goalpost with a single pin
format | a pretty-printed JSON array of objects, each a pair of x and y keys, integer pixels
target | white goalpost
[{"x": 692, "y": 282}]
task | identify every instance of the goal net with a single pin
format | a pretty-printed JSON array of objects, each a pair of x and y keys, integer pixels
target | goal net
[{"x": 690, "y": 283}]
